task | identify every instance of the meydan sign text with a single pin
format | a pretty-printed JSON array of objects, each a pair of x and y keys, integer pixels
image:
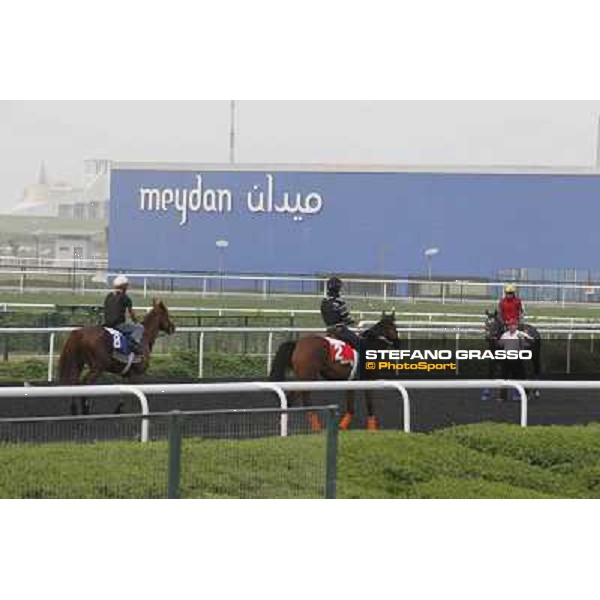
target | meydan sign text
[{"x": 260, "y": 199}]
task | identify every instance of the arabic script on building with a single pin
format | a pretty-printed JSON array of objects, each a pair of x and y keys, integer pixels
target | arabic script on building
[{"x": 261, "y": 199}]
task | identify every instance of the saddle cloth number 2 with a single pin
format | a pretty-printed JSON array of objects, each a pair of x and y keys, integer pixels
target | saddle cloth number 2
[{"x": 338, "y": 347}]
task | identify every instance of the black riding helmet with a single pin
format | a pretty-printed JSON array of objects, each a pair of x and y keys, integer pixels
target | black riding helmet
[{"x": 334, "y": 285}]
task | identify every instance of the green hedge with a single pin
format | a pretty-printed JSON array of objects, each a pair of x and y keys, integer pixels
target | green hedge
[
  {"x": 23, "y": 370},
  {"x": 473, "y": 461},
  {"x": 178, "y": 364}
]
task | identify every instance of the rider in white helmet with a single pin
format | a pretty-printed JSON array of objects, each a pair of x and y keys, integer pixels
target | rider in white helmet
[{"x": 116, "y": 306}]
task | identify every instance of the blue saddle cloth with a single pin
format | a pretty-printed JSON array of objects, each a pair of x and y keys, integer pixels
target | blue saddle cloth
[{"x": 119, "y": 341}]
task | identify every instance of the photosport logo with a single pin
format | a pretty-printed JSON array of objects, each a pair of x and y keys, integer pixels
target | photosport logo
[{"x": 427, "y": 361}]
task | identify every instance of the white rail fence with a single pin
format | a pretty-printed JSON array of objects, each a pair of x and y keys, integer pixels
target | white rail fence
[
  {"x": 222, "y": 311},
  {"x": 141, "y": 392},
  {"x": 70, "y": 391},
  {"x": 267, "y": 285},
  {"x": 459, "y": 330}
]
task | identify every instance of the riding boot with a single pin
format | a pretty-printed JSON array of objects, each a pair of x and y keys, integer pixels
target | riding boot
[{"x": 136, "y": 347}]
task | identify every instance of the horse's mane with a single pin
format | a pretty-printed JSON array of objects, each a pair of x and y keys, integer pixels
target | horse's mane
[
  {"x": 157, "y": 306},
  {"x": 374, "y": 330}
]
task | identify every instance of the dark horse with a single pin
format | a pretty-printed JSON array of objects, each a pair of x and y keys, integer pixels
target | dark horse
[
  {"x": 92, "y": 347},
  {"x": 494, "y": 328},
  {"x": 309, "y": 359}
]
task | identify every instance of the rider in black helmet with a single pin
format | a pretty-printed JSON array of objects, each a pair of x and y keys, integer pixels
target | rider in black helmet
[{"x": 336, "y": 315}]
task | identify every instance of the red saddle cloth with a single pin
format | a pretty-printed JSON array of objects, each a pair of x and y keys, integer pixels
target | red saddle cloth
[{"x": 340, "y": 351}]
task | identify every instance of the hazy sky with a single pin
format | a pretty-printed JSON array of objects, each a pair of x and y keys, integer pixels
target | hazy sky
[{"x": 64, "y": 133}]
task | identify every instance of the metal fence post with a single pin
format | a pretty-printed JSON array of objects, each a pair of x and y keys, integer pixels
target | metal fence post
[
  {"x": 174, "y": 474},
  {"x": 51, "y": 356},
  {"x": 201, "y": 355},
  {"x": 269, "y": 352},
  {"x": 456, "y": 350},
  {"x": 331, "y": 419}
]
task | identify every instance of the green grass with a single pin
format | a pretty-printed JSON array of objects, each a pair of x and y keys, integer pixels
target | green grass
[{"x": 472, "y": 461}]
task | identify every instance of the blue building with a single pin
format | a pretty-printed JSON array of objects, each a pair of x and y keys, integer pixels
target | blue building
[{"x": 313, "y": 220}]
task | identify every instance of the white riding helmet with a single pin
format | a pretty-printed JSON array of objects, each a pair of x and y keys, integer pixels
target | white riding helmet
[{"x": 120, "y": 281}]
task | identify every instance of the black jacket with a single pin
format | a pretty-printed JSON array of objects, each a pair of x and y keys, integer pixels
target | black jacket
[
  {"x": 116, "y": 305},
  {"x": 335, "y": 312}
]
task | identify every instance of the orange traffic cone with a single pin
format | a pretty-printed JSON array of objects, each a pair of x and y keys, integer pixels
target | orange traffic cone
[
  {"x": 372, "y": 424},
  {"x": 345, "y": 421}
]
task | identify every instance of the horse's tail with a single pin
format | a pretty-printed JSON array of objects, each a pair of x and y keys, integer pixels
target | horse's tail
[
  {"x": 68, "y": 364},
  {"x": 282, "y": 361}
]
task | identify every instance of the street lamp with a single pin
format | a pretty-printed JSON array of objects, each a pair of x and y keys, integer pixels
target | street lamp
[
  {"x": 429, "y": 254},
  {"x": 221, "y": 245}
]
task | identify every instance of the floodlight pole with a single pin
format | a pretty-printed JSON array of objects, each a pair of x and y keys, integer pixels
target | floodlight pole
[{"x": 232, "y": 131}]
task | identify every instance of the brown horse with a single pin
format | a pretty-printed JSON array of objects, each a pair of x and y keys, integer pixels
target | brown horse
[
  {"x": 309, "y": 359},
  {"x": 92, "y": 347}
]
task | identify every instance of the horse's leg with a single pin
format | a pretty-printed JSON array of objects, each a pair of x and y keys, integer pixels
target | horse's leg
[
  {"x": 537, "y": 365},
  {"x": 73, "y": 379},
  {"x": 118, "y": 407},
  {"x": 486, "y": 393},
  {"x": 349, "y": 414},
  {"x": 307, "y": 363},
  {"x": 491, "y": 393},
  {"x": 313, "y": 418},
  {"x": 89, "y": 379},
  {"x": 372, "y": 422},
  {"x": 128, "y": 379}
]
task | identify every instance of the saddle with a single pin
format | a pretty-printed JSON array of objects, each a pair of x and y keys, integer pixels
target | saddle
[{"x": 121, "y": 349}]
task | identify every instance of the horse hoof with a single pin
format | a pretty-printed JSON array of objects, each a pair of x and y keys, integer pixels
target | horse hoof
[
  {"x": 314, "y": 422},
  {"x": 345, "y": 422},
  {"x": 372, "y": 424}
]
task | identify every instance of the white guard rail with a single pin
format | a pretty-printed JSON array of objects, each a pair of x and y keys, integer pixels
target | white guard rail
[
  {"x": 480, "y": 384},
  {"x": 143, "y": 390},
  {"x": 279, "y": 388},
  {"x": 77, "y": 391},
  {"x": 408, "y": 330}
]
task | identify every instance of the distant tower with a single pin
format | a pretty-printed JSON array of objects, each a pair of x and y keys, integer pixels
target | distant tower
[{"x": 42, "y": 179}]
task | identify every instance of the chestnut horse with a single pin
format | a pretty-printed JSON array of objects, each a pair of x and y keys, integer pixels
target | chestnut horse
[
  {"x": 309, "y": 359},
  {"x": 92, "y": 347}
]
